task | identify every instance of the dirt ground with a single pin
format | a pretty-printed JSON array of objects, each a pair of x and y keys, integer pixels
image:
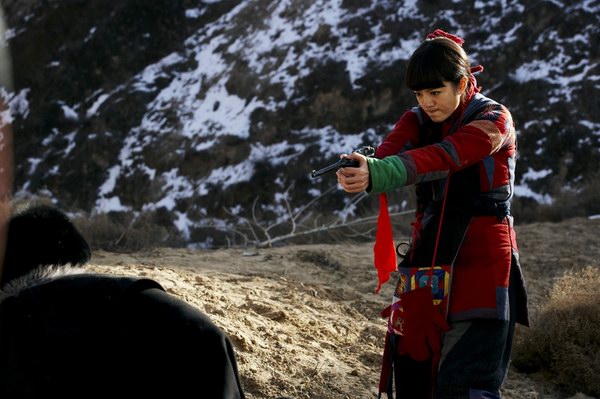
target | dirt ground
[{"x": 305, "y": 319}]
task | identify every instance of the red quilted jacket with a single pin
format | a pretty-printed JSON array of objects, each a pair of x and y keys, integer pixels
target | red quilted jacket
[{"x": 477, "y": 147}]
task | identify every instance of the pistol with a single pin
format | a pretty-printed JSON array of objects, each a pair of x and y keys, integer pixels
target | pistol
[{"x": 367, "y": 151}]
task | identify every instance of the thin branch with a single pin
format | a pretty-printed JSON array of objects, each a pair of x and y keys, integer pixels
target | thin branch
[
  {"x": 246, "y": 221},
  {"x": 323, "y": 228},
  {"x": 297, "y": 221}
]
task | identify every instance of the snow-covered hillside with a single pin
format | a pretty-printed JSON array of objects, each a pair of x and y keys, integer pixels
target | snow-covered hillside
[{"x": 197, "y": 108}]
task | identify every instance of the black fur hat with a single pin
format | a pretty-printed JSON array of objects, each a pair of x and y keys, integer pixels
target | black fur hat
[{"x": 41, "y": 235}]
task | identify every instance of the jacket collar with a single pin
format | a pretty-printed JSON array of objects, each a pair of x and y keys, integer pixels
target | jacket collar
[{"x": 37, "y": 276}]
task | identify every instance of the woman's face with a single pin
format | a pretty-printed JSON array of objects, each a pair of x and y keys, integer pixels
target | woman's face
[{"x": 439, "y": 103}]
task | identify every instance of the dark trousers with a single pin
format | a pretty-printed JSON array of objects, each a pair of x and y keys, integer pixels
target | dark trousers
[
  {"x": 477, "y": 364},
  {"x": 413, "y": 379},
  {"x": 475, "y": 367}
]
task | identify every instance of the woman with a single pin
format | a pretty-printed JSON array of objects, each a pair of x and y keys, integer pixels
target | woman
[{"x": 458, "y": 148}]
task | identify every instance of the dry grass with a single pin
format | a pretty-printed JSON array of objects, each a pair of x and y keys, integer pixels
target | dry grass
[
  {"x": 564, "y": 341},
  {"x": 126, "y": 232}
]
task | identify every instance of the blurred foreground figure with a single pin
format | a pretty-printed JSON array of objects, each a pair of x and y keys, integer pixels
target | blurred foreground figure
[
  {"x": 66, "y": 333},
  {"x": 6, "y": 155}
]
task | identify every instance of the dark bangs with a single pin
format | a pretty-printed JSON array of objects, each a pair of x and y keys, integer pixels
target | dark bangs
[{"x": 434, "y": 62}]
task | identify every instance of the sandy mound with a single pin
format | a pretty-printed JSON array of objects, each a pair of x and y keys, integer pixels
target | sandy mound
[{"x": 305, "y": 319}]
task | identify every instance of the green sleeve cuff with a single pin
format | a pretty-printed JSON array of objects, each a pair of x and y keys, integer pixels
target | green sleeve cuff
[{"x": 386, "y": 174}]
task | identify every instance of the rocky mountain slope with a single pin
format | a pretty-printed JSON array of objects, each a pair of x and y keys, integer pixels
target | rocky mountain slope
[{"x": 191, "y": 111}]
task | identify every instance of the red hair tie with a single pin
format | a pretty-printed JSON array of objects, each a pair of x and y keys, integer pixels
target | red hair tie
[
  {"x": 440, "y": 33},
  {"x": 477, "y": 69}
]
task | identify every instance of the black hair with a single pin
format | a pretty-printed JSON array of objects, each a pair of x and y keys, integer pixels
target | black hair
[
  {"x": 435, "y": 61},
  {"x": 41, "y": 235}
]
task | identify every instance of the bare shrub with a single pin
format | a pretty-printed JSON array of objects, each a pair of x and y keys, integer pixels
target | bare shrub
[
  {"x": 308, "y": 224},
  {"x": 564, "y": 341},
  {"x": 128, "y": 231},
  {"x": 319, "y": 258}
]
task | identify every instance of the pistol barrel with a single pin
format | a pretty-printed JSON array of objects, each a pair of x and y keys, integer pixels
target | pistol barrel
[{"x": 342, "y": 163}]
